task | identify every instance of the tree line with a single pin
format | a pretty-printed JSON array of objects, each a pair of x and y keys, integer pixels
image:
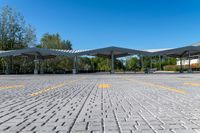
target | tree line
[{"x": 15, "y": 33}]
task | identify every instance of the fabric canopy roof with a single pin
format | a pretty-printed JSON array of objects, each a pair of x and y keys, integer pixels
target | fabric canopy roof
[
  {"x": 179, "y": 52},
  {"x": 40, "y": 52},
  {"x": 44, "y": 53},
  {"x": 117, "y": 52}
]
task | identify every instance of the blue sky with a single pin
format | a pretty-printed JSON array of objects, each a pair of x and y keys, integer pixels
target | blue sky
[{"x": 138, "y": 24}]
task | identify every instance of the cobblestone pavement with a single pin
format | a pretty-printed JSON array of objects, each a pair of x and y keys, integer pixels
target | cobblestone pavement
[{"x": 131, "y": 103}]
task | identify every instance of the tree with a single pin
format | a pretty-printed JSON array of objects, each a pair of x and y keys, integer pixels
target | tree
[
  {"x": 132, "y": 63},
  {"x": 85, "y": 64},
  {"x": 66, "y": 44},
  {"x": 156, "y": 62},
  {"x": 100, "y": 64},
  {"x": 104, "y": 64},
  {"x": 54, "y": 41},
  {"x": 14, "y": 33}
]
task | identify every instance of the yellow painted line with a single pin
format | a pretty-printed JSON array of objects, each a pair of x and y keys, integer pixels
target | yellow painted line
[
  {"x": 47, "y": 89},
  {"x": 162, "y": 87},
  {"x": 51, "y": 88},
  {"x": 11, "y": 87},
  {"x": 172, "y": 89},
  {"x": 103, "y": 86},
  {"x": 191, "y": 84}
]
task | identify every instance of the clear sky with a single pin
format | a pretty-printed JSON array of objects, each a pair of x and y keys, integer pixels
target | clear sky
[{"x": 138, "y": 24}]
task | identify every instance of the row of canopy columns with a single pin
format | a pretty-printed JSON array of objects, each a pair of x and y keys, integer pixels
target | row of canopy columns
[
  {"x": 112, "y": 71},
  {"x": 141, "y": 59},
  {"x": 74, "y": 70},
  {"x": 38, "y": 68},
  {"x": 181, "y": 63},
  {"x": 142, "y": 63}
]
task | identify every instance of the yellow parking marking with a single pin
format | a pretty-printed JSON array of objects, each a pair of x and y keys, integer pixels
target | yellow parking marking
[
  {"x": 191, "y": 84},
  {"x": 51, "y": 88},
  {"x": 171, "y": 89},
  {"x": 103, "y": 86},
  {"x": 162, "y": 87},
  {"x": 11, "y": 87},
  {"x": 46, "y": 89}
]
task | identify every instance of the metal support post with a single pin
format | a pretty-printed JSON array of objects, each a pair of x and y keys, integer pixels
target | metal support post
[
  {"x": 41, "y": 66},
  {"x": 160, "y": 63},
  {"x": 7, "y": 71},
  {"x": 189, "y": 69},
  {"x": 112, "y": 63},
  {"x": 181, "y": 65},
  {"x": 142, "y": 63},
  {"x": 36, "y": 62},
  {"x": 74, "y": 71}
]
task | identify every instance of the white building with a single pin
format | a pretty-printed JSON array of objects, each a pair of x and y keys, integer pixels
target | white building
[{"x": 194, "y": 60}]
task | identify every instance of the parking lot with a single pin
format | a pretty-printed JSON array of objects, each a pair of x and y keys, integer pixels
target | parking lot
[{"x": 124, "y": 103}]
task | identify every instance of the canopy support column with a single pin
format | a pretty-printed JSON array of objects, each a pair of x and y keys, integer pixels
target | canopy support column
[
  {"x": 112, "y": 63},
  {"x": 181, "y": 65},
  {"x": 7, "y": 71},
  {"x": 160, "y": 62},
  {"x": 8, "y": 65},
  {"x": 189, "y": 69},
  {"x": 41, "y": 66},
  {"x": 36, "y": 62},
  {"x": 142, "y": 63},
  {"x": 74, "y": 70}
]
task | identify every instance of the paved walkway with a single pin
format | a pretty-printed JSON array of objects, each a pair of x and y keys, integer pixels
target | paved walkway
[{"x": 132, "y": 103}]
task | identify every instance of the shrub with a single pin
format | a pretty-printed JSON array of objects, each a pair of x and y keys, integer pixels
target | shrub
[
  {"x": 177, "y": 68},
  {"x": 171, "y": 68}
]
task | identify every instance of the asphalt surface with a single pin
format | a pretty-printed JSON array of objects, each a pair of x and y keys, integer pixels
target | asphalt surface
[{"x": 124, "y": 103}]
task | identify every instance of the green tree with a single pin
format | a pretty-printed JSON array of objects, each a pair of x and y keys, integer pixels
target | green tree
[
  {"x": 132, "y": 64},
  {"x": 54, "y": 41},
  {"x": 100, "y": 64},
  {"x": 14, "y": 32},
  {"x": 156, "y": 62},
  {"x": 104, "y": 64},
  {"x": 85, "y": 64},
  {"x": 119, "y": 66},
  {"x": 66, "y": 44}
]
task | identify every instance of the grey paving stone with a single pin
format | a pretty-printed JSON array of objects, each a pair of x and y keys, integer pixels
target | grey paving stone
[{"x": 132, "y": 103}]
